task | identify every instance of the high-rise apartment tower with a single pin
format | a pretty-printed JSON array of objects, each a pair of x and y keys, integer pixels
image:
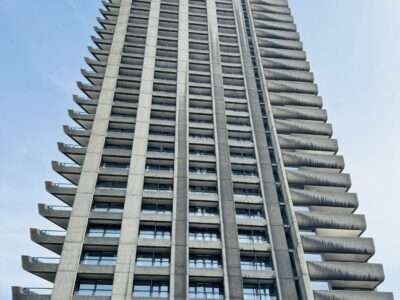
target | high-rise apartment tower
[{"x": 203, "y": 166}]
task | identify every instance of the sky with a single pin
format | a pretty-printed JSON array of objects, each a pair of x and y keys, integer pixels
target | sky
[{"x": 354, "y": 50}]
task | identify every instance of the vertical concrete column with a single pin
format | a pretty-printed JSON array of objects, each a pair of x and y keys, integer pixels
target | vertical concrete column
[
  {"x": 125, "y": 265},
  {"x": 70, "y": 257},
  {"x": 280, "y": 252},
  {"x": 233, "y": 279},
  {"x": 179, "y": 245}
]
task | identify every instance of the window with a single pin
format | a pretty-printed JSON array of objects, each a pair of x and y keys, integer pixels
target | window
[
  {"x": 205, "y": 261},
  {"x": 246, "y": 192},
  {"x": 252, "y": 236},
  {"x": 111, "y": 184},
  {"x": 94, "y": 288},
  {"x": 154, "y": 232},
  {"x": 156, "y": 208},
  {"x": 158, "y": 167},
  {"x": 152, "y": 259},
  {"x": 255, "y": 262},
  {"x": 98, "y": 258},
  {"x": 158, "y": 187},
  {"x": 203, "y": 290},
  {"x": 204, "y": 234},
  {"x": 108, "y": 207},
  {"x": 150, "y": 289},
  {"x": 202, "y": 189},
  {"x": 258, "y": 291},
  {"x": 103, "y": 231},
  {"x": 203, "y": 211},
  {"x": 251, "y": 213}
]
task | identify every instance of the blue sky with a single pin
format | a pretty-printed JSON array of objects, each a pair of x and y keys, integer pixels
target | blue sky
[{"x": 354, "y": 50}]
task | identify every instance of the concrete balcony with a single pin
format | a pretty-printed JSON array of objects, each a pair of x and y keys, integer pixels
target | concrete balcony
[
  {"x": 20, "y": 293},
  {"x": 165, "y": 174},
  {"x": 87, "y": 105},
  {"x": 273, "y": 16},
  {"x": 287, "y": 75},
  {"x": 52, "y": 240},
  {"x": 149, "y": 271},
  {"x": 302, "y": 113},
  {"x": 305, "y": 100},
  {"x": 69, "y": 171},
  {"x": 201, "y": 125},
  {"x": 259, "y": 6},
  {"x": 63, "y": 191},
  {"x": 261, "y": 23},
  {"x": 339, "y": 225},
  {"x": 303, "y": 127},
  {"x": 161, "y": 138},
  {"x": 206, "y": 272},
  {"x": 308, "y": 177},
  {"x": 204, "y": 219},
  {"x": 160, "y": 155},
  {"x": 308, "y": 143},
  {"x": 205, "y": 244},
  {"x": 285, "y": 64},
  {"x": 202, "y": 158},
  {"x": 207, "y": 176},
  {"x": 334, "y": 201},
  {"x": 279, "y": 53},
  {"x": 60, "y": 215},
  {"x": 347, "y": 275},
  {"x": 251, "y": 221},
  {"x": 79, "y": 135},
  {"x": 201, "y": 140},
  {"x": 203, "y": 196},
  {"x": 73, "y": 152},
  {"x": 277, "y": 33},
  {"x": 159, "y": 194},
  {"x": 352, "y": 295},
  {"x": 240, "y": 143},
  {"x": 245, "y": 178},
  {"x": 156, "y": 217},
  {"x": 263, "y": 247},
  {"x": 250, "y": 199},
  {"x": 339, "y": 248},
  {"x": 243, "y": 160},
  {"x": 45, "y": 268},
  {"x": 300, "y": 159},
  {"x": 264, "y": 275}
]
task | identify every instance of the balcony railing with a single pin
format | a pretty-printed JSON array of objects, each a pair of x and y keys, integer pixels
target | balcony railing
[
  {"x": 63, "y": 184},
  {"x": 37, "y": 291},
  {"x": 46, "y": 260},
  {"x": 53, "y": 232},
  {"x": 60, "y": 207}
]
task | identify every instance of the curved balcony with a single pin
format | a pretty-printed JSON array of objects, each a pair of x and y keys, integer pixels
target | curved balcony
[
  {"x": 332, "y": 224},
  {"x": 345, "y": 202},
  {"x": 27, "y": 293},
  {"x": 42, "y": 267},
  {"x": 339, "y": 248},
  {"x": 304, "y": 177},
  {"x": 302, "y": 113},
  {"x": 295, "y": 99},
  {"x": 62, "y": 191},
  {"x": 347, "y": 275},
  {"x": 303, "y": 127},
  {"x": 352, "y": 295},
  {"x": 49, "y": 239},
  {"x": 308, "y": 143}
]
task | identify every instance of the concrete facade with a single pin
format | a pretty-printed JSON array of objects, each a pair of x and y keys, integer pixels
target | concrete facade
[{"x": 203, "y": 166}]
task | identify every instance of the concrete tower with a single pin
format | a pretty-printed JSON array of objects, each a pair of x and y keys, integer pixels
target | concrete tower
[{"x": 203, "y": 166}]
